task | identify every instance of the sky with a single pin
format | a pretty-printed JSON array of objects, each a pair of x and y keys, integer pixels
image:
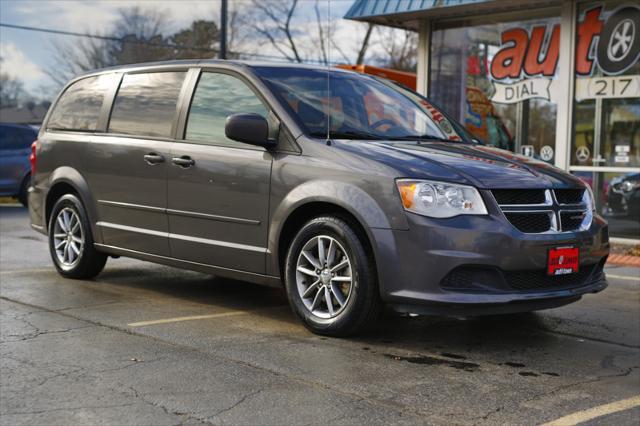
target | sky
[{"x": 28, "y": 54}]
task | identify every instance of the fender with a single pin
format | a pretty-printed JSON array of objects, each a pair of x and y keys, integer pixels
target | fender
[
  {"x": 72, "y": 177},
  {"x": 347, "y": 196}
]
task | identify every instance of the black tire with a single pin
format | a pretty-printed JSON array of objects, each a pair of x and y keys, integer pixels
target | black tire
[
  {"x": 23, "y": 195},
  {"x": 619, "y": 65},
  {"x": 89, "y": 262},
  {"x": 363, "y": 305}
]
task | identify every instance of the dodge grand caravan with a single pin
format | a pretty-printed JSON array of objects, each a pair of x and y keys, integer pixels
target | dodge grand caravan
[{"x": 352, "y": 191}]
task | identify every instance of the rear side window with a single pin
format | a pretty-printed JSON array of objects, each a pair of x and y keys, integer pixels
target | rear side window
[
  {"x": 146, "y": 104},
  {"x": 218, "y": 96},
  {"x": 79, "y": 106}
]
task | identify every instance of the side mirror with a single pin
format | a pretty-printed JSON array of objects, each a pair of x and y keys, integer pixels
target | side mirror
[{"x": 248, "y": 128}]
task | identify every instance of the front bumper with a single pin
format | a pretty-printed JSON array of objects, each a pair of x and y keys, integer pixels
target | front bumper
[{"x": 471, "y": 265}]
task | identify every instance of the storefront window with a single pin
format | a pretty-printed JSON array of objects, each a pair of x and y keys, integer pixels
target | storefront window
[
  {"x": 607, "y": 117},
  {"x": 617, "y": 199},
  {"x": 606, "y": 145},
  {"x": 497, "y": 78}
]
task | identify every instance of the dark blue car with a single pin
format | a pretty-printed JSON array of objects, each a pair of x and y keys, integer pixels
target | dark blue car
[{"x": 15, "y": 170}]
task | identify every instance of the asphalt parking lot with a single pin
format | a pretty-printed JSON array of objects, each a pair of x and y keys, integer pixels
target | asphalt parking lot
[{"x": 148, "y": 344}]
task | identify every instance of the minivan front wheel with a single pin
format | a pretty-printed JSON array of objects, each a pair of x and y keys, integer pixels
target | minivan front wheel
[
  {"x": 330, "y": 278},
  {"x": 71, "y": 242}
]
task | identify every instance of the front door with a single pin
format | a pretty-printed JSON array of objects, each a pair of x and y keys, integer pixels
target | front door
[{"x": 218, "y": 189}]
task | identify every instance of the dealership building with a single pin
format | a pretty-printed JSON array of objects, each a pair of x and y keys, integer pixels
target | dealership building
[{"x": 558, "y": 80}]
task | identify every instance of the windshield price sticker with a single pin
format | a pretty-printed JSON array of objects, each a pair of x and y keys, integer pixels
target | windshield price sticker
[{"x": 441, "y": 121}]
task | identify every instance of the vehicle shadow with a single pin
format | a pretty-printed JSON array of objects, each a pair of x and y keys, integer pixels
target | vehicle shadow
[{"x": 504, "y": 334}]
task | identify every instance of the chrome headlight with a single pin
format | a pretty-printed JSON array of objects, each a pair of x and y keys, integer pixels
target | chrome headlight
[{"x": 440, "y": 199}]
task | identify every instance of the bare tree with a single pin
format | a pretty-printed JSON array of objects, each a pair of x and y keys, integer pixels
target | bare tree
[
  {"x": 321, "y": 34},
  {"x": 12, "y": 91},
  {"x": 136, "y": 37},
  {"x": 236, "y": 35},
  {"x": 399, "y": 47},
  {"x": 277, "y": 22},
  {"x": 141, "y": 32},
  {"x": 71, "y": 59},
  {"x": 273, "y": 21},
  {"x": 364, "y": 46}
]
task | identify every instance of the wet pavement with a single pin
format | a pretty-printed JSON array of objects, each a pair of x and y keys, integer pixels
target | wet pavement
[{"x": 148, "y": 344}]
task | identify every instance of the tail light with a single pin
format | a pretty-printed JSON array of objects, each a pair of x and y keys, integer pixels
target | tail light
[{"x": 32, "y": 158}]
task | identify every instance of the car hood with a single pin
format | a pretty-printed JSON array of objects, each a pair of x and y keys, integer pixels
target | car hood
[{"x": 472, "y": 164}]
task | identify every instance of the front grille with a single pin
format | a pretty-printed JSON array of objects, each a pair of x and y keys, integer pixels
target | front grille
[
  {"x": 539, "y": 280},
  {"x": 471, "y": 278},
  {"x": 534, "y": 211},
  {"x": 570, "y": 221},
  {"x": 530, "y": 222},
  {"x": 519, "y": 196},
  {"x": 569, "y": 196}
]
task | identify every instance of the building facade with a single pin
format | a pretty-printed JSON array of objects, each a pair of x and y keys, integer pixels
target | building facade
[{"x": 558, "y": 80}]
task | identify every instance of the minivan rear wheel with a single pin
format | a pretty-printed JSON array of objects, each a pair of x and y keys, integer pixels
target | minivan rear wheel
[
  {"x": 71, "y": 241},
  {"x": 330, "y": 278}
]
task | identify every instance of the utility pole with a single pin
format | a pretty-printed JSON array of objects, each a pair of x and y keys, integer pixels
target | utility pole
[{"x": 223, "y": 30}]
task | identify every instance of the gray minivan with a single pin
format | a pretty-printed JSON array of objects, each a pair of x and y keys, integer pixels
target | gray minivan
[{"x": 351, "y": 190}]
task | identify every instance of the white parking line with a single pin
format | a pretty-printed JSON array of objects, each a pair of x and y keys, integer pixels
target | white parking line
[
  {"x": 27, "y": 271},
  {"x": 188, "y": 318},
  {"x": 623, "y": 277},
  {"x": 595, "y": 412}
]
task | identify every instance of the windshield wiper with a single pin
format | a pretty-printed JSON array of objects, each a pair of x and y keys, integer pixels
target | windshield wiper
[{"x": 426, "y": 137}]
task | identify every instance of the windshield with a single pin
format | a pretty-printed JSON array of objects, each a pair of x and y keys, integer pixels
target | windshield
[{"x": 358, "y": 106}]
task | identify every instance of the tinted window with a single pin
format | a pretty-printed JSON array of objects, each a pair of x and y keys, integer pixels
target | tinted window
[
  {"x": 355, "y": 106},
  {"x": 218, "y": 96},
  {"x": 79, "y": 106},
  {"x": 146, "y": 104}
]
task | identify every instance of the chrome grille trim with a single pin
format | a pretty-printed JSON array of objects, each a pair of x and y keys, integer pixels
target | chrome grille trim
[
  {"x": 548, "y": 201},
  {"x": 583, "y": 202},
  {"x": 552, "y": 207}
]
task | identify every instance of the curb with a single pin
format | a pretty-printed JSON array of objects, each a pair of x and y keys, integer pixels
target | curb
[{"x": 623, "y": 260}]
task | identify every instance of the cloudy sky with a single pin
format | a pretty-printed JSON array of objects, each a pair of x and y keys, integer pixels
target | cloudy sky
[{"x": 27, "y": 54}]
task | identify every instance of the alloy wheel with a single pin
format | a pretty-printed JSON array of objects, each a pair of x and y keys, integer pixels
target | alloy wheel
[
  {"x": 68, "y": 238},
  {"x": 324, "y": 276}
]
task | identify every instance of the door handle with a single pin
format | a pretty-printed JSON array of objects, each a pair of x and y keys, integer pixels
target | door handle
[
  {"x": 184, "y": 161},
  {"x": 153, "y": 158}
]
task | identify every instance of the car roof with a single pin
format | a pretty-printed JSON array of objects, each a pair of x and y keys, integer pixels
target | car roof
[
  {"x": 208, "y": 62},
  {"x": 21, "y": 126}
]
